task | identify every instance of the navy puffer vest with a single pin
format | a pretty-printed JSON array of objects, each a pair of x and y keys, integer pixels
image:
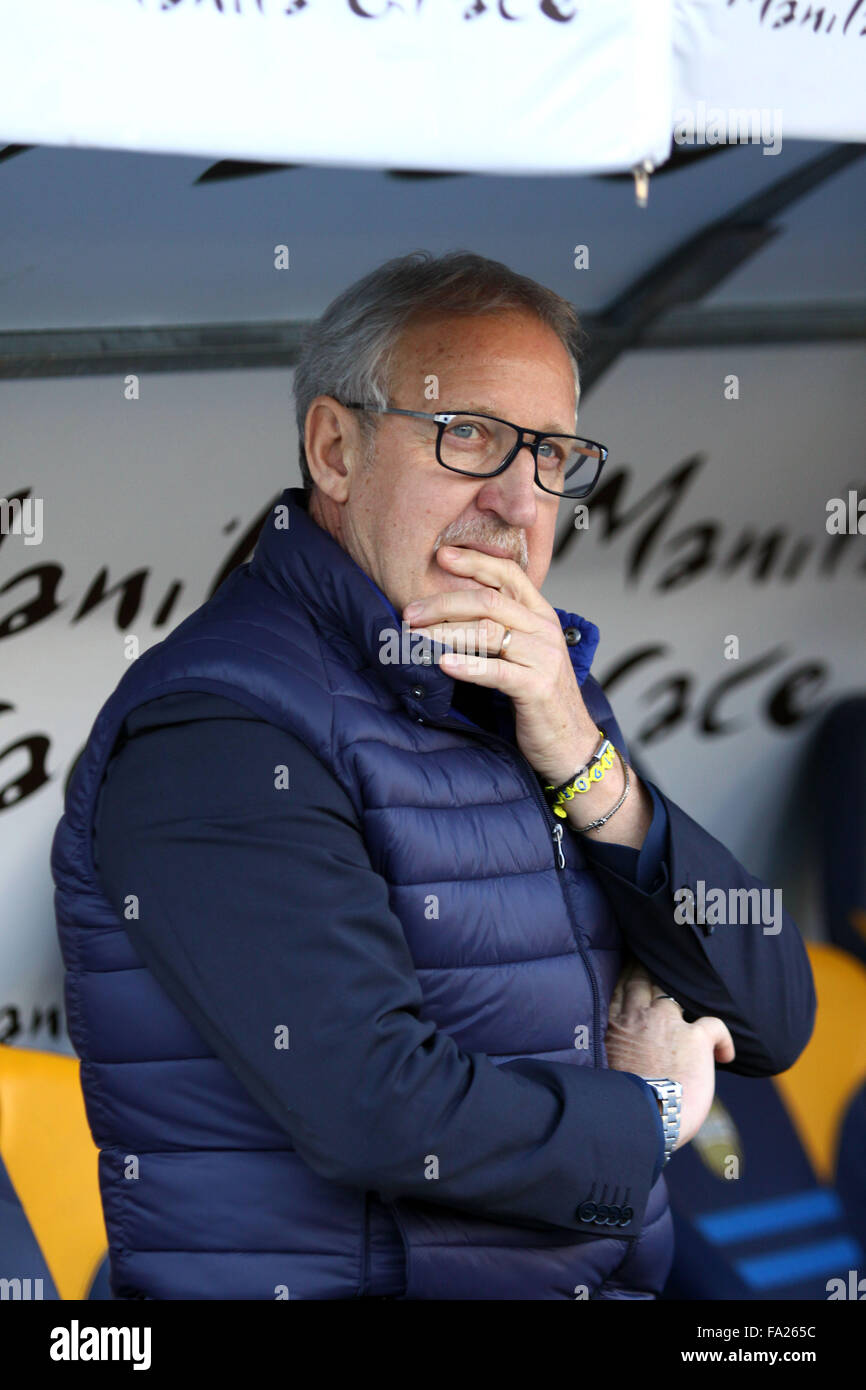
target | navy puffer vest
[{"x": 229, "y": 1209}]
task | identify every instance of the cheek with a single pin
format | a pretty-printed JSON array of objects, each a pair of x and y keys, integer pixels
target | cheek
[
  {"x": 541, "y": 542},
  {"x": 536, "y": 572}
]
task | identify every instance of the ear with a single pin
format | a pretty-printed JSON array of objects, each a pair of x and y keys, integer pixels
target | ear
[{"x": 333, "y": 445}]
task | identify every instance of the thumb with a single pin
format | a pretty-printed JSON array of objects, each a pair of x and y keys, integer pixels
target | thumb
[{"x": 719, "y": 1036}]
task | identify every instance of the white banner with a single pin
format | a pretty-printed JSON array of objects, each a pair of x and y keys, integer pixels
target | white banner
[
  {"x": 511, "y": 86},
  {"x": 756, "y": 71}
]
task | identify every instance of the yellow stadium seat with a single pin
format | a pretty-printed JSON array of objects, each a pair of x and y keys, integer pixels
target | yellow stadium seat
[
  {"x": 818, "y": 1088},
  {"x": 51, "y": 1159},
  {"x": 46, "y": 1145}
]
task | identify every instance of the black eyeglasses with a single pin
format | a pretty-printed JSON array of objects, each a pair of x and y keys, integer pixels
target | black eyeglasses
[{"x": 481, "y": 446}]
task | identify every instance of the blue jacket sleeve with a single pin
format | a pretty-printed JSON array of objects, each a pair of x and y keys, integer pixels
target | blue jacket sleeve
[
  {"x": 754, "y": 974},
  {"x": 260, "y": 907},
  {"x": 642, "y": 867}
]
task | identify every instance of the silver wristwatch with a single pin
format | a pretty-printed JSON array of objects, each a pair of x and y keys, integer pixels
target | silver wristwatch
[{"x": 670, "y": 1093}]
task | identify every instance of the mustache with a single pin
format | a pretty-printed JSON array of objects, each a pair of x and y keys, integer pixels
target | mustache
[{"x": 470, "y": 533}]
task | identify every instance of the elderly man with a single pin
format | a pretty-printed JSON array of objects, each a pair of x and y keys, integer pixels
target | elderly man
[{"x": 374, "y": 961}]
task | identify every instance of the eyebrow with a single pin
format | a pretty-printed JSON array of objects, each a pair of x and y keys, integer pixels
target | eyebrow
[{"x": 474, "y": 409}]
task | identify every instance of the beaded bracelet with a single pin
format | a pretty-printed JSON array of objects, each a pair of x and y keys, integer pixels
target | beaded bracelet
[{"x": 583, "y": 780}]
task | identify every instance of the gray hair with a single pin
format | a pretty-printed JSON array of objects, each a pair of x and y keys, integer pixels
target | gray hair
[{"x": 348, "y": 353}]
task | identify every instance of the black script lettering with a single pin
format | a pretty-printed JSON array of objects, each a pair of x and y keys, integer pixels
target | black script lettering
[
  {"x": 709, "y": 722},
  {"x": 42, "y": 606},
  {"x": 704, "y": 534},
  {"x": 661, "y": 500},
  {"x": 783, "y": 707},
  {"x": 33, "y": 777}
]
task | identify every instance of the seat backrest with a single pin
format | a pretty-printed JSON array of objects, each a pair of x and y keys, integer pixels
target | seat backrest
[
  {"x": 50, "y": 1170},
  {"x": 23, "y": 1271},
  {"x": 837, "y": 828},
  {"x": 820, "y": 1087},
  {"x": 768, "y": 1199}
]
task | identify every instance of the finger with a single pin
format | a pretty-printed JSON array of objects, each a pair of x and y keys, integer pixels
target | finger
[
  {"x": 483, "y": 670},
  {"x": 485, "y": 638},
  {"x": 660, "y": 999},
  {"x": 482, "y": 638},
  {"x": 640, "y": 989},
  {"x": 495, "y": 571},
  {"x": 618, "y": 996},
  {"x": 454, "y": 605},
  {"x": 621, "y": 997}
]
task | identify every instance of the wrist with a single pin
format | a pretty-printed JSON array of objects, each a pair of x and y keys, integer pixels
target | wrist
[{"x": 576, "y": 758}]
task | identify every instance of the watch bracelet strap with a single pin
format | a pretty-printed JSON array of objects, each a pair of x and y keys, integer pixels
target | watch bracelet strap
[{"x": 669, "y": 1093}]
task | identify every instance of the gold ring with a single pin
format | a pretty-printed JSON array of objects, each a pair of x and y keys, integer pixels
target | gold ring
[{"x": 505, "y": 641}]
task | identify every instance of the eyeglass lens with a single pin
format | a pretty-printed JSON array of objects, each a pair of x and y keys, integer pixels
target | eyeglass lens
[{"x": 475, "y": 445}]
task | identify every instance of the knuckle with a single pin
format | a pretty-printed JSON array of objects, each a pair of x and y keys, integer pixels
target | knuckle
[{"x": 493, "y": 600}]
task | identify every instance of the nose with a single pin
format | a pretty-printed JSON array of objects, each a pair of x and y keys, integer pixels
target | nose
[{"x": 512, "y": 495}]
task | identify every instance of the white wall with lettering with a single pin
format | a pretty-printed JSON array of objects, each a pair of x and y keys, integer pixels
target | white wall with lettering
[{"x": 164, "y": 488}]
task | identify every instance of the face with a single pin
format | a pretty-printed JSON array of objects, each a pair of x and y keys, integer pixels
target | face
[{"x": 393, "y": 514}]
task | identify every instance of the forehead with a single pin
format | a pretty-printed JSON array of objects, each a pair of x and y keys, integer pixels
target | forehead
[{"x": 509, "y": 347}]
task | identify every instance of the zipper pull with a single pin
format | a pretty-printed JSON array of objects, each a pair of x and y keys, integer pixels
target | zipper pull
[
  {"x": 641, "y": 173},
  {"x": 557, "y": 836}
]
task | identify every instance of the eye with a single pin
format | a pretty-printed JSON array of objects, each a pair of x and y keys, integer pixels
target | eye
[
  {"x": 466, "y": 426},
  {"x": 551, "y": 452}
]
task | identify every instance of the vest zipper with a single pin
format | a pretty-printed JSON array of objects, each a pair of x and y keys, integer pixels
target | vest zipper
[
  {"x": 365, "y": 1261},
  {"x": 560, "y": 857},
  {"x": 556, "y": 835}
]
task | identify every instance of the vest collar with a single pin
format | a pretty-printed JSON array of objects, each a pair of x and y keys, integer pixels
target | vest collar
[{"x": 297, "y": 556}]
